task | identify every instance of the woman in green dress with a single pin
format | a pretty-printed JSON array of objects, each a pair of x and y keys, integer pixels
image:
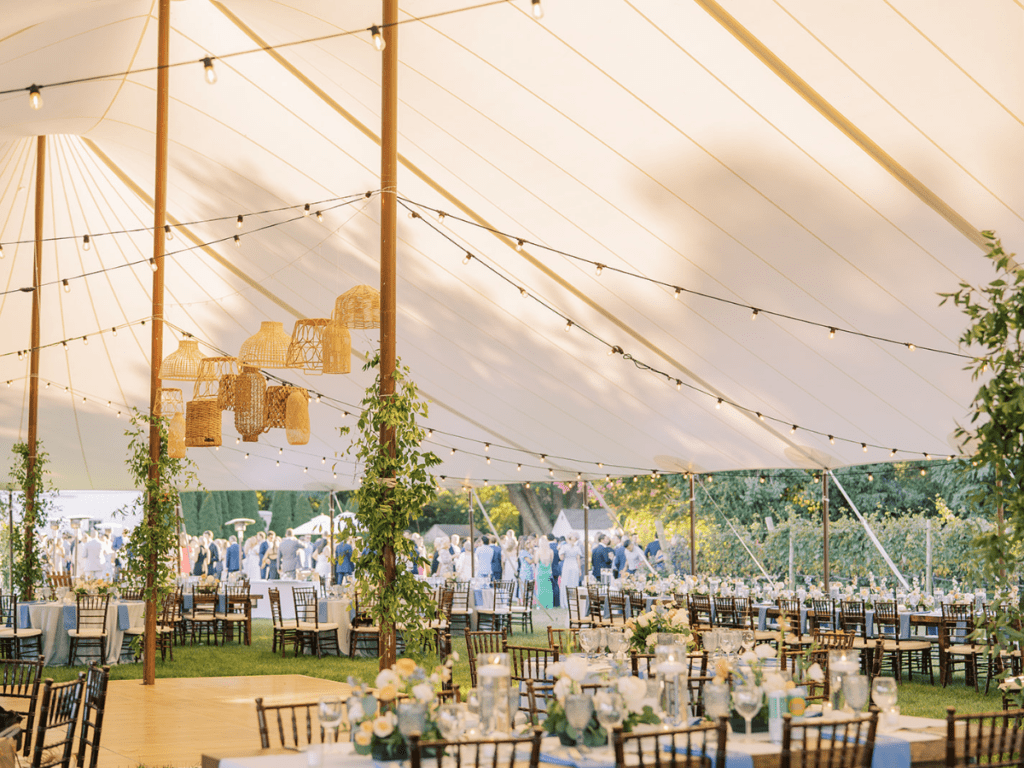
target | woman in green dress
[{"x": 543, "y": 558}]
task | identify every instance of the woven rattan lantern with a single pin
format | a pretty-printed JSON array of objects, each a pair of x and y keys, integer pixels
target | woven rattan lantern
[
  {"x": 226, "y": 392},
  {"x": 337, "y": 348},
  {"x": 306, "y": 351},
  {"x": 176, "y": 437},
  {"x": 250, "y": 403},
  {"x": 202, "y": 424},
  {"x": 268, "y": 348},
  {"x": 211, "y": 372},
  {"x": 296, "y": 420},
  {"x": 277, "y": 397},
  {"x": 171, "y": 402},
  {"x": 183, "y": 363},
  {"x": 358, "y": 307}
]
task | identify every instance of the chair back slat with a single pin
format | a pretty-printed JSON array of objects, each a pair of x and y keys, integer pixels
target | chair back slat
[
  {"x": 850, "y": 743},
  {"x": 483, "y": 642},
  {"x": 296, "y": 725},
  {"x": 699, "y": 746},
  {"x": 479, "y": 753},
  {"x": 56, "y": 722},
  {"x": 92, "y": 715},
  {"x": 92, "y": 613}
]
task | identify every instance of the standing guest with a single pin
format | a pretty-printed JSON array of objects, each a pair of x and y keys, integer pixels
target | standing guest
[
  {"x": 232, "y": 558},
  {"x": 421, "y": 553},
  {"x": 306, "y": 552},
  {"x": 451, "y": 551},
  {"x": 600, "y": 558},
  {"x": 633, "y": 556},
  {"x": 117, "y": 543},
  {"x": 288, "y": 561},
  {"x": 556, "y": 569},
  {"x": 509, "y": 556},
  {"x": 200, "y": 556},
  {"x": 271, "y": 557},
  {"x": 108, "y": 557},
  {"x": 619, "y": 564},
  {"x": 654, "y": 554},
  {"x": 92, "y": 552},
  {"x": 526, "y": 558},
  {"x": 463, "y": 565},
  {"x": 443, "y": 550},
  {"x": 572, "y": 555},
  {"x": 250, "y": 559},
  {"x": 343, "y": 561},
  {"x": 543, "y": 556},
  {"x": 483, "y": 555},
  {"x": 264, "y": 546},
  {"x": 495, "y": 559},
  {"x": 213, "y": 564}
]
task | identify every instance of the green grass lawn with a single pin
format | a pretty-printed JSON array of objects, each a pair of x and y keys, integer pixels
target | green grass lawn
[{"x": 920, "y": 699}]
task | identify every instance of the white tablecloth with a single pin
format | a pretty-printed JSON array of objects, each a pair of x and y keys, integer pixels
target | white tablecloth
[
  {"x": 337, "y": 611},
  {"x": 49, "y": 617},
  {"x": 260, "y": 587}
]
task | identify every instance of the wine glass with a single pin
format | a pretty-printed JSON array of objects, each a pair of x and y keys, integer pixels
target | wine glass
[
  {"x": 330, "y": 711},
  {"x": 883, "y": 693},
  {"x": 449, "y": 721},
  {"x": 615, "y": 641},
  {"x": 578, "y": 709},
  {"x": 748, "y": 639},
  {"x": 855, "y": 689},
  {"x": 586, "y": 641},
  {"x": 716, "y": 700},
  {"x": 747, "y": 700},
  {"x": 412, "y": 718},
  {"x": 610, "y": 711},
  {"x": 727, "y": 642},
  {"x": 711, "y": 641}
]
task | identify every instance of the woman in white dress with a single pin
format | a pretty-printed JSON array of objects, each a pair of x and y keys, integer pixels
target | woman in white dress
[
  {"x": 445, "y": 565},
  {"x": 571, "y": 555},
  {"x": 509, "y": 557},
  {"x": 251, "y": 563},
  {"x": 462, "y": 566}
]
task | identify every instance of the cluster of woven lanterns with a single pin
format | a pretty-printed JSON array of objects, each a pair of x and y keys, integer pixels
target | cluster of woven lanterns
[{"x": 237, "y": 384}]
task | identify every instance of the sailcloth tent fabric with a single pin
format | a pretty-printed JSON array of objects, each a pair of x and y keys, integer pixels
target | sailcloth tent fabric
[{"x": 823, "y": 162}]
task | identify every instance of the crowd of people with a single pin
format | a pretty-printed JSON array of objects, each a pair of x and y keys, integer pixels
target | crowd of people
[
  {"x": 98, "y": 553},
  {"x": 554, "y": 564}
]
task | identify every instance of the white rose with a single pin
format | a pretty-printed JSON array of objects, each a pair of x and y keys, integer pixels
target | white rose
[
  {"x": 628, "y": 634},
  {"x": 651, "y": 641},
  {"x": 386, "y": 677},
  {"x": 765, "y": 651},
  {"x": 642, "y": 620},
  {"x": 815, "y": 673},
  {"x": 633, "y": 691},
  {"x": 749, "y": 656},
  {"x": 562, "y": 687},
  {"x": 773, "y": 681},
  {"x": 555, "y": 670},
  {"x": 382, "y": 727},
  {"x": 355, "y": 712},
  {"x": 575, "y": 668},
  {"x": 423, "y": 692}
]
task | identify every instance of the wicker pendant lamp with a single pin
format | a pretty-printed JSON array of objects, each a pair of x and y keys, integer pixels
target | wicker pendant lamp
[
  {"x": 306, "y": 351},
  {"x": 212, "y": 373},
  {"x": 183, "y": 363},
  {"x": 171, "y": 402},
  {"x": 277, "y": 397},
  {"x": 296, "y": 420},
  {"x": 268, "y": 348},
  {"x": 250, "y": 403},
  {"x": 358, "y": 307},
  {"x": 202, "y": 424},
  {"x": 176, "y": 437},
  {"x": 337, "y": 350}
]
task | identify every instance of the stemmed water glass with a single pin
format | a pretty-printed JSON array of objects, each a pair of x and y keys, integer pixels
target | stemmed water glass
[
  {"x": 615, "y": 641},
  {"x": 610, "y": 711},
  {"x": 855, "y": 689},
  {"x": 710, "y": 639},
  {"x": 748, "y": 639},
  {"x": 883, "y": 693},
  {"x": 578, "y": 709},
  {"x": 747, "y": 700},
  {"x": 412, "y": 718},
  {"x": 330, "y": 711},
  {"x": 716, "y": 700},
  {"x": 727, "y": 642},
  {"x": 449, "y": 721}
]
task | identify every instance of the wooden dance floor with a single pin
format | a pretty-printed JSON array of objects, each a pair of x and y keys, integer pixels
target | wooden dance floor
[{"x": 173, "y": 722}]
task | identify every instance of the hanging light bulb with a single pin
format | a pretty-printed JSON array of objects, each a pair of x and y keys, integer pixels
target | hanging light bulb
[
  {"x": 600, "y": 465},
  {"x": 430, "y": 433},
  {"x": 543, "y": 456},
  {"x": 679, "y": 385},
  {"x": 923, "y": 471},
  {"x": 306, "y": 210},
  {"x": 519, "y": 245},
  {"x": 551, "y": 472},
  {"x": 488, "y": 459},
  {"x": 67, "y": 285},
  {"x": 168, "y": 232},
  {"x": 600, "y": 269},
  {"x": 527, "y": 485},
  {"x": 238, "y": 440},
  {"x": 753, "y": 314},
  {"x": 831, "y": 440},
  {"x": 468, "y": 257},
  {"x": 247, "y": 455},
  {"x": 568, "y": 325},
  {"x": 911, "y": 347},
  {"x": 238, "y": 242},
  {"x": 238, "y": 221},
  {"x": 279, "y": 462},
  {"x": 86, "y": 243},
  {"x": 323, "y": 459},
  {"x": 152, "y": 263},
  {"x": 536, "y": 9},
  {"x": 676, "y": 293},
  {"x": 831, "y": 333},
  {"x": 519, "y": 467},
  {"x": 522, "y": 292},
  {"x": 208, "y": 71},
  {"x": 718, "y": 405},
  {"x": 1, "y": 251},
  {"x": 892, "y": 453},
  {"x": 305, "y": 469},
  {"x": 871, "y": 477},
  {"x": 792, "y": 430},
  {"x": 378, "y": 38},
  {"x": 759, "y": 416},
  {"x": 35, "y": 98},
  {"x": 280, "y": 451},
  {"x": 864, "y": 447},
  {"x": 320, "y": 216},
  {"x": 85, "y": 340},
  {"x": 19, "y": 354},
  {"x": 114, "y": 331}
]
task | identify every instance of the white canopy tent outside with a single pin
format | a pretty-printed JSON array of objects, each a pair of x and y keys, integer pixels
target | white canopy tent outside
[{"x": 827, "y": 161}]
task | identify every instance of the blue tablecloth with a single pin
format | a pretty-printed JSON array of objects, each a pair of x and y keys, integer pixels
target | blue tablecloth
[
  {"x": 186, "y": 603},
  {"x": 71, "y": 617},
  {"x": 890, "y": 751}
]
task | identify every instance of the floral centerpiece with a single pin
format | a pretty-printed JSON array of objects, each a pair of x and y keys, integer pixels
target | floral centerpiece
[
  {"x": 92, "y": 587},
  {"x": 373, "y": 715},
  {"x": 641, "y": 630},
  {"x": 569, "y": 675},
  {"x": 207, "y": 584}
]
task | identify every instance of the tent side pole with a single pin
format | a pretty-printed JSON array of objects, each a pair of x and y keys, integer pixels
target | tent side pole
[
  {"x": 156, "y": 354},
  {"x": 33, "y": 379},
  {"x": 824, "y": 530},
  {"x": 388, "y": 269},
  {"x": 928, "y": 556},
  {"x": 472, "y": 551},
  {"x": 586, "y": 533},
  {"x": 693, "y": 528}
]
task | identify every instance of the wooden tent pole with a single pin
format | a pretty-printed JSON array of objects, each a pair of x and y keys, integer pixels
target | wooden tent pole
[
  {"x": 33, "y": 379},
  {"x": 472, "y": 551},
  {"x": 824, "y": 529},
  {"x": 156, "y": 354},
  {"x": 388, "y": 270},
  {"x": 693, "y": 528}
]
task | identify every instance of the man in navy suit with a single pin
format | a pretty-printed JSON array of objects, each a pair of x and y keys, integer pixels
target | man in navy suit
[
  {"x": 599, "y": 558},
  {"x": 232, "y": 556},
  {"x": 264, "y": 546},
  {"x": 619, "y": 564},
  {"x": 556, "y": 570},
  {"x": 213, "y": 567},
  {"x": 495, "y": 559},
  {"x": 342, "y": 562}
]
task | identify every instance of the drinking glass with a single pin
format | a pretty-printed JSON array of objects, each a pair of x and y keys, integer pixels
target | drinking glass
[
  {"x": 727, "y": 642},
  {"x": 610, "y": 711},
  {"x": 711, "y": 641},
  {"x": 747, "y": 700},
  {"x": 883, "y": 693},
  {"x": 615, "y": 641},
  {"x": 586, "y": 641},
  {"x": 578, "y": 709},
  {"x": 856, "y": 689},
  {"x": 449, "y": 721},
  {"x": 330, "y": 711},
  {"x": 748, "y": 639},
  {"x": 412, "y": 718},
  {"x": 716, "y": 700}
]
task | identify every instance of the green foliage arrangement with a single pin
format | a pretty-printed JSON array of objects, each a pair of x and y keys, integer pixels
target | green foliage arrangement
[
  {"x": 155, "y": 539},
  {"x": 394, "y": 489},
  {"x": 28, "y": 565}
]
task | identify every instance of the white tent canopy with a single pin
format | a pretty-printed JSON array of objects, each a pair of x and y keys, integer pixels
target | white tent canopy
[{"x": 831, "y": 162}]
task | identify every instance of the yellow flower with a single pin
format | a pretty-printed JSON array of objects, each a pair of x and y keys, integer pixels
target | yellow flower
[
  {"x": 366, "y": 726},
  {"x": 405, "y": 667},
  {"x": 387, "y": 693}
]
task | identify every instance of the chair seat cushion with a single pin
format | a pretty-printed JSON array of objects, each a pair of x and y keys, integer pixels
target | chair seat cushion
[
  {"x": 87, "y": 632},
  {"x": 310, "y": 627},
  {"x": 22, "y": 632},
  {"x": 135, "y": 631},
  {"x": 366, "y": 630},
  {"x": 966, "y": 649},
  {"x": 906, "y": 645}
]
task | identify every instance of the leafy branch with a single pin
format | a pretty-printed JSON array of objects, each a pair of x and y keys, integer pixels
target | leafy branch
[{"x": 28, "y": 566}]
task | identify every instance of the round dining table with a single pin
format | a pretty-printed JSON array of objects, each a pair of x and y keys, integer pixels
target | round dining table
[{"x": 55, "y": 619}]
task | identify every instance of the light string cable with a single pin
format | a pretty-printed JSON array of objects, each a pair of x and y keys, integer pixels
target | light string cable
[
  {"x": 84, "y": 338},
  {"x": 643, "y": 366},
  {"x": 235, "y": 237},
  {"x": 207, "y": 61},
  {"x": 600, "y": 267}
]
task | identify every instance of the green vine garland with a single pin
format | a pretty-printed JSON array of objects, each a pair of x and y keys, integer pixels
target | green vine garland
[{"x": 29, "y": 571}]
